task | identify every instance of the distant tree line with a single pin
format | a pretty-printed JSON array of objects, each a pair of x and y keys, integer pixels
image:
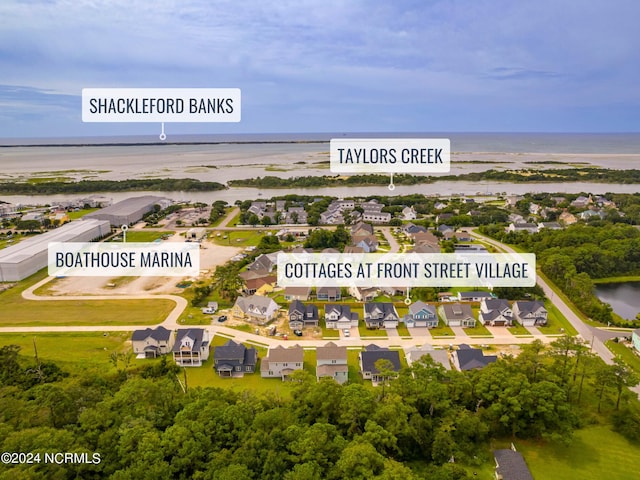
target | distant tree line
[{"x": 90, "y": 186}]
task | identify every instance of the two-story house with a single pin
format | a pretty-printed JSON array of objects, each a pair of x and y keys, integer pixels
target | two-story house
[
  {"x": 340, "y": 316},
  {"x": 301, "y": 315},
  {"x": 281, "y": 362},
  {"x": 530, "y": 313},
  {"x": 380, "y": 315},
  {"x": 421, "y": 315},
  {"x": 191, "y": 347},
  {"x": 255, "y": 308},
  {"x": 457, "y": 315},
  {"x": 332, "y": 362},
  {"x": 234, "y": 359},
  {"x": 150, "y": 343},
  {"x": 495, "y": 312}
]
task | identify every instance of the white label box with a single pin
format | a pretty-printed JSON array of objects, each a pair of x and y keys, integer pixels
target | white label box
[
  {"x": 87, "y": 259},
  {"x": 177, "y": 105},
  {"x": 406, "y": 270},
  {"x": 390, "y": 155}
]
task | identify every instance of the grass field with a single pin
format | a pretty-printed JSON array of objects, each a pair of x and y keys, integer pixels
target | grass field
[
  {"x": 478, "y": 330},
  {"x": 403, "y": 331},
  {"x": 365, "y": 332},
  {"x": 241, "y": 238},
  {"x": 625, "y": 353},
  {"x": 72, "y": 351},
  {"x": 17, "y": 311},
  {"x": 556, "y": 322},
  {"x": 595, "y": 453},
  {"x": 74, "y": 215},
  {"x": 518, "y": 329},
  {"x": 146, "y": 235},
  {"x": 441, "y": 331},
  {"x": 7, "y": 242}
]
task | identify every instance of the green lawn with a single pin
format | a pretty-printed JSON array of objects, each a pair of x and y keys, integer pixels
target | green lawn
[
  {"x": 16, "y": 311},
  {"x": 625, "y": 353},
  {"x": 240, "y": 238},
  {"x": 7, "y": 242},
  {"x": 80, "y": 213},
  {"x": 328, "y": 332},
  {"x": 71, "y": 350},
  {"x": 595, "y": 453},
  {"x": 478, "y": 330},
  {"x": 441, "y": 330},
  {"x": 403, "y": 331},
  {"x": 365, "y": 332},
  {"x": 146, "y": 235},
  {"x": 518, "y": 329},
  {"x": 556, "y": 322}
]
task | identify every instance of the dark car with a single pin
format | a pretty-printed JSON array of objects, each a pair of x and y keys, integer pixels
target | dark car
[
  {"x": 297, "y": 333},
  {"x": 222, "y": 318}
]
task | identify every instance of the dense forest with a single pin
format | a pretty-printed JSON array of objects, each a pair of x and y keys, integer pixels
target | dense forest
[
  {"x": 145, "y": 422},
  {"x": 573, "y": 257}
]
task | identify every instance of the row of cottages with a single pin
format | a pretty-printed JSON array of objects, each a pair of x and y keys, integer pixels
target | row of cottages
[
  {"x": 497, "y": 312},
  {"x": 190, "y": 346},
  {"x": 255, "y": 309}
]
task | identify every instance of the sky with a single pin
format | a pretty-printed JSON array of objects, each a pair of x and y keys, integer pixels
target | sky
[{"x": 329, "y": 65}]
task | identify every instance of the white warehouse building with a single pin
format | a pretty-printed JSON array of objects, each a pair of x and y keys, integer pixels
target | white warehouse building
[
  {"x": 27, "y": 257},
  {"x": 129, "y": 211}
]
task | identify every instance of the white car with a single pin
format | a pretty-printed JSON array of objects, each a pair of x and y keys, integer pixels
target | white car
[{"x": 346, "y": 332}]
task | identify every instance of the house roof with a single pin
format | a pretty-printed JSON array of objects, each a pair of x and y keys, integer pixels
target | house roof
[
  {"x": 256, "y": 303},
  {"x": 528, "y": 306},
  {"x": 495, "y": 303},
  {"x": 471, "y": 358},
  {"x": 297, "y": 291},
  {"x": 308, "y": 311},
  {"x": 280, "y": 354},
  {"x": 370, "y": 357},
  {"x": 362, "y": 226},
  {"x": 235, "y": 351},
  {"x": 476, "y": 294},
  {"x": 195, "y": 334},
  {"x": 342, "y": 310},
  {"x": 353, "y": 249},
  {"x": 418, "y": 306},
  {"x": 386, "y": 309},
  {"x": 331, "y": 351},
  {"x": 332, "y": 291},
  {"x": 331, "y": 370},
  {"x": 511, "y": 465},
  {"x": 454, "y": 311},
  {"x": 158, "y": 334}
]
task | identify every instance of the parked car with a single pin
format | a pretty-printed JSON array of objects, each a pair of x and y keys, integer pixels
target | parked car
[
  {"x": 222, "y": 318},
  {"x": 346, "y": 332},
  {"x": 297, "y": 333}
]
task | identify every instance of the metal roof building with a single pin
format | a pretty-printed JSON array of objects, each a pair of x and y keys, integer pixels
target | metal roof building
[
  {"x": 128, "y": 211},
  {"x": 27, "y": 257}
]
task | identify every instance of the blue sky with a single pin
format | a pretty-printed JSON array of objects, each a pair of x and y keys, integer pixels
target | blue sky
[{"x": 329, "y": 65}]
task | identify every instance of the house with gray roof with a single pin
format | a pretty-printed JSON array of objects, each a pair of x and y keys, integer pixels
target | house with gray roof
[
  {"x": 530, "y": 313},
  {"x": 370, "y": 355},
  {"x": 413, "y": 354},
  {"x": 457, "y": 315},
  {"x": 510, "y": 465},
  {"x": 191, "y": 347},
  {"x": 495, "y": 312},
  {"x": 255, "y": 308},
  {"x": 380, "y": 315},
  {"x": 301, "y": 315},
  {"x": 332, "y": 362},
  {"x": 473, "y": 296},
  {"x": 281, "y": 362},
  {"x": 467, "y": 358},
  {"x": 234, "y": 359},
  {"x": 340, "y": 316},
  {"x": 421, "y": 315},
  {"x": 149, "y": 343}
]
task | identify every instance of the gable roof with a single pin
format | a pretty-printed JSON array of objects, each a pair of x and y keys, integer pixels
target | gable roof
[
  {"x": 470, "y": 358},
  {"x": 418, "y": 306},
  {"x": 293, "y": 354},
  {"x": 331, "y": 351},
  {"x": 456, "y": 310},
  {"x": 511, "y": 465},
  {"x": 385, "y": 309},
  {"x": 529, "y": 306},
  {"x": 476, "y": 294},
  {"x": 256, "y": 304},
  {"x": 159, "y": 334},
  {"x": 195, "y": 334},
  {"x": 341, "y": 310},
  {"x": 495, "y": 303},
  {"x": 231, "y": 351},
  {"x": 370, "y": 357}
]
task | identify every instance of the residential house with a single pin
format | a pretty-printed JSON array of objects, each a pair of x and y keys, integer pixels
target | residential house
[
  {"x": 440, "y": 206},
  {"x": 297, "y": 293},
  {"x": 587, "y": 214},
  {"x": 421, "y": 315},
  {"x": 234, "y": 359},
  {"x": 457, "y": 315},
  {"x": 263, "y": 262},
  {"x": 369, "y": 243},
  {"x": 149, "y": 343},
  {"x": 281, "y": 362},
  {"x": 444, "y": 229},
  {"x": 467, "y": 358},
  {"x": 516, "y": 218},
  {"x": 470, "y": 248},
  {"x": 368, "y": 358},
  {"x": 376, "y": 217},
  {"x": 361, "y": 228},
  {"x": 523, "y": 227},
  {"x": 301, "y": 315},
  {"x": 395, "y": 291},
  {"x": 473, "y": 296},
  {"x": 332, "y": 362},
  {"x": 426, "y": 238},
  {"x": 510, "y": 465},
  {"x": 411, "y": 229},
  {"x": 495, "y": 312},
  {"x": 443, "y": 217},
  {"x": 530, "y": 313},
  {"x": 296, "y": 215},
  {"x": 363, "y": 294},
  {"x": 255, "y": 308},
  {"x": 380, "y": 315},
  {"x": 408, "y": 213},
  {"x": 413, "y": 354},
  {"x": 330, "y": 294},
  {"x": 353, "y": 249},
  {"x": 582, "y": 202},
  {"x": 549, "y": 226},
  {"x": 191, "y": 347},
  {"x": 425, "y": 248},
  {"x": 459, "y": 236},
  {"x": 511, "y": 200},
  {"x": 534, "y": 208},
  {"x": 260, "y": 284},
  {"x": 567, "y": 218},
  {"x": 339, "y": 317}
]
